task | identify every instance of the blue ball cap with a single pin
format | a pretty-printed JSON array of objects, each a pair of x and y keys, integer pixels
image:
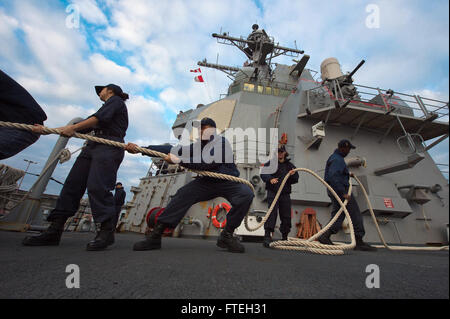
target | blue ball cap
[
  {"x": 208, "y": 121},
  {"x": 115, "y": 88},
  {"x": 282, "y": 148},
  {"x": 346, "y": 143}
]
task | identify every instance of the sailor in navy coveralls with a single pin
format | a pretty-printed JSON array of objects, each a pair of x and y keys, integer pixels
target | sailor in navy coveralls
[
  {"x": 18, "y": 106},
  {"x": 337, "y": 176},
  {"x": 95, "y": 170},
  {"x": 201, "y": 189},
  {"x": 283, "y": 206},
  {"x": 119, "y": 200}
]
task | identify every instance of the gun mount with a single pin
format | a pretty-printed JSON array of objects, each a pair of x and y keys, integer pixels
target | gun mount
[{"x": 341, "y": 85}]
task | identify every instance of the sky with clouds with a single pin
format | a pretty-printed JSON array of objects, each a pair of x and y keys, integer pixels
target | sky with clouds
[{"x": 148, "y": 47}]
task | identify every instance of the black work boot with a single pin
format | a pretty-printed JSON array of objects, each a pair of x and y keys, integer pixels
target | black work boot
[
  {"x": 50, "y": 237},
  {"x": 227, "y": 240},
  {"x": 325, "y": 238},
  {"x": 284, "y": 236},
  {"x": 152, "y": 239},
  {"x": 267, "y": 239},
  {"x": 104, "y": 238},
  {"x": 362, "y": 246}
]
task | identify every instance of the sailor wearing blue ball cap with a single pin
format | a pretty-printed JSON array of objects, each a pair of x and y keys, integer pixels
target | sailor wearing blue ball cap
[
  {"x": 338, "y": 176},
  {"x": 95, "y": 170}
]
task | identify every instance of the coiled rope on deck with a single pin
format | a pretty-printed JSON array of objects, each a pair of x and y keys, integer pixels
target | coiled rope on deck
[
  {"x": 292, "y": 243},
  {"x": 338, "y": 249},
  {"x": 310, "y": 245}
]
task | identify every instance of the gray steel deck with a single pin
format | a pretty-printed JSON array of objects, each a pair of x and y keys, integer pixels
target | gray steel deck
[{"x": 196, "y": 268}]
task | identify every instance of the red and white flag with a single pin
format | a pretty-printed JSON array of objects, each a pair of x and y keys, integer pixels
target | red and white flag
[
  {"x": 197, "y": 70},
  {"x": 199, "y": 79}
]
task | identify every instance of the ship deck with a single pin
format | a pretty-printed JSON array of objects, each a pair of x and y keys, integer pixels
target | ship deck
[{"x": 196, "y": 268}]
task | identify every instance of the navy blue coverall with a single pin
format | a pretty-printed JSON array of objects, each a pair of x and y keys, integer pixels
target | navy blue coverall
[
  {"x": 96, "y": 167},
  {"x": 283, "y": 206},
  {"x": 201, "y": 189},
  {"x": 17, "y": 106},
  {"x": 337, "y": 176},
  {"x": 119, "y": 200}
]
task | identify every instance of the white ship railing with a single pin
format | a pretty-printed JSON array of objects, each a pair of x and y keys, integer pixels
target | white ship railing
[{"x": 422, "y": 107}]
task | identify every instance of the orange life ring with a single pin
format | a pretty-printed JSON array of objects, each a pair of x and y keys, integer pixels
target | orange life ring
[{"x": 215, "y": 222}]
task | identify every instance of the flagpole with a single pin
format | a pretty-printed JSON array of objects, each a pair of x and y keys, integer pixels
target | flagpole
[{"x": 208, "y": 91}]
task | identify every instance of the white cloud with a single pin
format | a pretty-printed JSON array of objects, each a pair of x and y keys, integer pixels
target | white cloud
[
  {"x": 90, "y": 11},
  {"x": 133, "y": 168},
  {"x": 107, "y": 69},
  {"x": 154, "y": 65},
  {"x": 60, "y": 115},
  {"x": 107, "y": 45},
  {"x": 146, "y": 117},
  {"x": 8, "y": 26}
]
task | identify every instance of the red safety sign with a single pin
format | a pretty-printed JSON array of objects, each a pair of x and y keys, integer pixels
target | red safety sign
[{"x": 388, "y": 202}]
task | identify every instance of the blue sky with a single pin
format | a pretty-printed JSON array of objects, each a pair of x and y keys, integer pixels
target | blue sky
[{"x": 148, "y": 47}]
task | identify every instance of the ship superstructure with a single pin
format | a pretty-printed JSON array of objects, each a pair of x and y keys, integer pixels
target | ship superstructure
[{"x": 409, "y": 193}]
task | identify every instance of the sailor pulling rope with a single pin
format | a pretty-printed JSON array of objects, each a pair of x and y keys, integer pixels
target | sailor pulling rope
[
  {"x": 142, "y": 150},
  {"x": 292, "y": 243}
]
